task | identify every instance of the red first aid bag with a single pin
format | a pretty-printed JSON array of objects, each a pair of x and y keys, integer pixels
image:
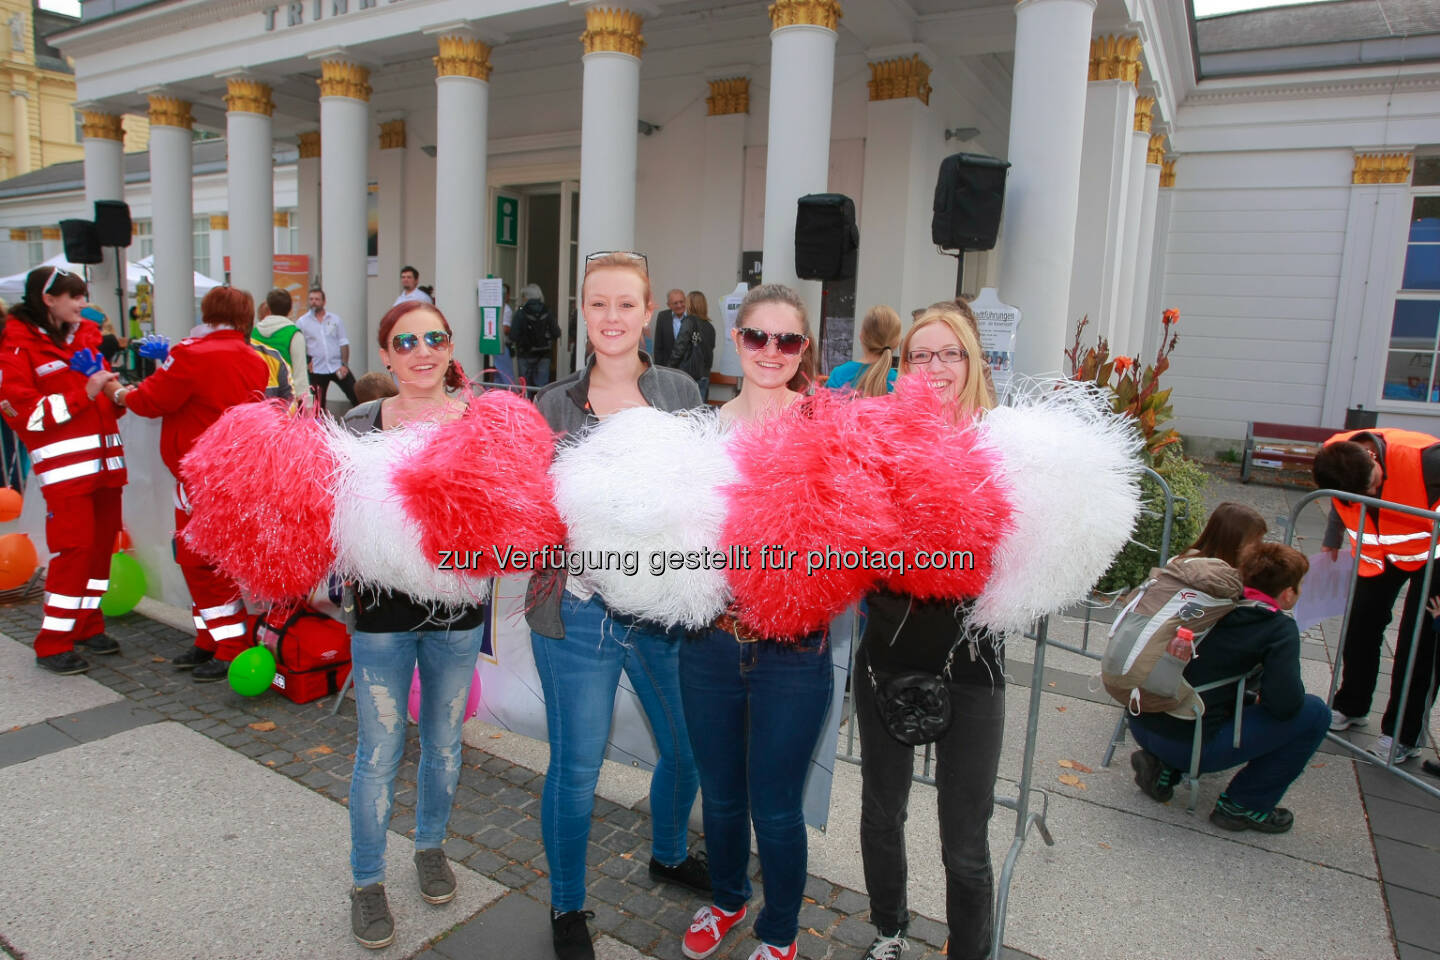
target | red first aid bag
[{"x": 312, "y": 652}]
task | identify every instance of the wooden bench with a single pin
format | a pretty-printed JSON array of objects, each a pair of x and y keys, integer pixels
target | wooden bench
[{"x": 1280, "y": 445}]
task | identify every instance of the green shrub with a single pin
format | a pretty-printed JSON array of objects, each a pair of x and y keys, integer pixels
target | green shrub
[
  {"x": 1187, "y": 479},
  {"x": 1230, "y": 455}
]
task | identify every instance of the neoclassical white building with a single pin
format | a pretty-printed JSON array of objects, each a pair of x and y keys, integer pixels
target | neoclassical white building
[{"x": 1270, "y": 174}]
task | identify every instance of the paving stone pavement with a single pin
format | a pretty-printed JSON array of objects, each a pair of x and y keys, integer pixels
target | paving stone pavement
[{"x": 495, "y": 828}]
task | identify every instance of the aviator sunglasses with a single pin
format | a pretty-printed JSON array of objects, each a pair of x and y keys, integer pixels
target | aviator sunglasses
[
  {"x": 403, "y": 343},
  {"x": 55, "y": 274},
  {"x": 787, "y": 343}
]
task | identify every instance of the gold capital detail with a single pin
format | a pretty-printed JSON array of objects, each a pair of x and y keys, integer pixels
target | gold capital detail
[
  {"x": 169, "y": 112},
  {"x": 392, "y": 135},
  {"x": 248, "y": 96},
  {"x": 1381, "y": 168},
  {"x": 1115, "y": 58},
  {"x": 102, "y": 126},
  {"x": 900, "y": 78},
  {"x": 220, "y": 221},
  {"x": 462, "y": 57},
  {"x": 282, "y": 218},
  {"x": 341, "y": 78},
  {"x": 731, "y": 95},
  {"x": 1144, "y": 108},
  {"x": 817, "y": 13},
  {"x": 49, "y": 233},
  {"x": 19, "y": 234},
  {"x": 310, "y": 145},
  {"x": 613, "y": 30},
  {"x": 1156, "y": 151},
  {"x": 1167, "y": 173}
]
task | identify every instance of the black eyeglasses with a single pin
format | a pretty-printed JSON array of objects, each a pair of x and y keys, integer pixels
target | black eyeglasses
[
  {"x": 787, "y": 343},
  {"x": 405, "y": 342},
  {"x": 55, "y": 274},
  {"x": 602, "y": 254},
  {"x": 948, "y": 356}
]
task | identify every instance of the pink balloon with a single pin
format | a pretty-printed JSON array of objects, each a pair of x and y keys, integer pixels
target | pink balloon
[
  {"x": 472, "y": 702},
  {"x": 415, "y": 697}
]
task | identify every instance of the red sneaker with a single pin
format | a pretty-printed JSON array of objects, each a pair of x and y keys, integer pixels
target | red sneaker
[
  {"x": 767, "y": 952},
  {"x": 708, "y": 929}
]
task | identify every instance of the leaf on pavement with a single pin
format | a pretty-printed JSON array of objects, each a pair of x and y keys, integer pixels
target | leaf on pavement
[
  {"x": 1070, "y": 780},
  {"x": 1072, "y": 765},
  {"x": 262, "y": 726},
  {"x": 319, "y": 751}
]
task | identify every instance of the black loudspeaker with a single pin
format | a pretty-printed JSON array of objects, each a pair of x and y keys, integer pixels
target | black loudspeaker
[
  {"x": 968, "y": 198},
  {"x": 112, "y": 222},
  {"x": 827, "y": 241},
  {"x": 82, "y": 242}
]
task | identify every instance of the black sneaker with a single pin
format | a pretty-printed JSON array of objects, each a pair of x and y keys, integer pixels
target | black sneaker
[
  {"x": 101, "y": 643},
  {"x": 437, "y": 880},
  {"x": 63, "y": 664},
  {"x": 370, "y": 918},
  {"x": 692, "y": 873},
  {"x": 193, "y": 658},
  {"x": 211, "y": 671},
  {"x": 572, "y": 935},
  {"x": 1151, "y": 775},
  {"x": 1229, "y": 815}
]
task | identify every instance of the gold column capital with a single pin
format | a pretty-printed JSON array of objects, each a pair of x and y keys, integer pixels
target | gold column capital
[
  {"x": 900, "y": 78},
  {"x": 341, "y": 78},
  {"x": 817, "y": 13},
  {"x": 49, "y": 233},
  {"x": 19, "y": 234},
  {"x": 392, "y": 135},
  {"x": 310, "y": 145},
  {"x": 1116, "y": 58},
  {"x": 1144, "y": 111},
  {"x": 1156, "y": 151},
  {"x": 1381, "y": 168},
  {"x": 281, "y": 218},
  {"x": 101, "y": 126},
  {"x": 730, "y": 95},
  {"x": 462, "y": 56},
  {"x": 170, "y": 112},
  {"x": 248, "y": 96},
  {"x": 1167, "y": 173},
  {"x": 220, "y": 221},
  {"x": 613, "y": 30}
]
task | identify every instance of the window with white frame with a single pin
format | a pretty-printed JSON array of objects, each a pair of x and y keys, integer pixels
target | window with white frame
[
  {"x": 142, "y": 242},
  {"x": 1411, "y": 371},
  {"x": 201, "y": 232},
  {"x": 35, "y": 245},
  {"x": 287, "y": 232}
]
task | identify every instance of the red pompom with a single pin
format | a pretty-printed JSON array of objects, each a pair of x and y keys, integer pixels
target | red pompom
[
  {"x": 259, "y": 482},
  {"x": 804, "y": 485},
  {"x": 951, "y": 504},
  {"x": 482, "y": 484}
]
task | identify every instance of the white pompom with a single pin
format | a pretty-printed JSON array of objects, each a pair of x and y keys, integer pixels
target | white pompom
[
  {"x": 647, "y": 483},
  {"x": 1073, "y": 468},
  {"x": 375, "y": 542}
]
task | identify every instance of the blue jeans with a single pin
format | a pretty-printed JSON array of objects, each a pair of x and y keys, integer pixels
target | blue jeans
[
  {"x": 384, "y": 664},
  {"x": 755, "y": 711},
  {"x": 580, "y": 673},
  {"x": 535, "y": 371},
  {"x": 1275, "y": 752}
]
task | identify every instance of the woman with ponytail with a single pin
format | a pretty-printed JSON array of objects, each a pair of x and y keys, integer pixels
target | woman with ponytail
[
  {"x": 879, "y": 336},
  {"x": 52, "y": 381}
]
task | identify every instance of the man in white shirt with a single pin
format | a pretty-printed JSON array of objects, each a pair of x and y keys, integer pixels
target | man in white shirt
[
  {"x": 410, "y": 287},
  {"x": 328, "y": 348}
]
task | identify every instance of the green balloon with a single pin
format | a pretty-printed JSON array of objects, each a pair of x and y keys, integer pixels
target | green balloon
[
  {"x": 252, "y": 671},
  {"x": 127, "y": 586}
]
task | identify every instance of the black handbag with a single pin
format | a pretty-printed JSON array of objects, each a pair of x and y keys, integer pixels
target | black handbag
[{"x": 915, "y": 707}]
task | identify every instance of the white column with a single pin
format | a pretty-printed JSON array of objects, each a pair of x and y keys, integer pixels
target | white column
[
  {"x": 1150, "y": 332},
  {"x": 20, "y": 123},
  {"x": 1047, "y": 111},
  {"x": 105, "y": 180},
  {"x": 722, "y": 180},
  {"x": 1142, "y": 318},
  {"x": 1134, "y": 199},
  {"x": 250, "y": 172},
  {"x": 219, "y": 246},
  {"x": 797, "y": 156},
  {"x": 609, "y": 128},
  {"x": 307, "y": 198},
  {"x": 390, "y": 185},
  {"x": 345, "y": 132},
  {"x": 172, "y": 215},
  {"x": 462, "y": 106}
]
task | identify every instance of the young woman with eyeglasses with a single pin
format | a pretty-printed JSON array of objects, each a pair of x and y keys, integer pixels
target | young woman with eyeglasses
[
  {"x": 755, "y": 706},
  {"x": 394, "y": 633},
  {"x": 904, "y": 635},
  {"x": 581, "y": 646},
  {"x": 52, "y": 381}
]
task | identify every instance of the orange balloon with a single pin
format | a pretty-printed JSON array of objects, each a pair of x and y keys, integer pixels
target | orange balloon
[
  {"x": 122, "y": 541},
  {"x": 10, "y": 503},
  {"x": 18, "y": 560}
]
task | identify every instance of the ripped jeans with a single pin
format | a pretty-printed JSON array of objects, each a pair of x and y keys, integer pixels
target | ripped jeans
[{"x": 384, "y": 664}]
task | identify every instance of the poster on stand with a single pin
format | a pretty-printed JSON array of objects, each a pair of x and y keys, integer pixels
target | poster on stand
[{"x": 998, "y": 324}]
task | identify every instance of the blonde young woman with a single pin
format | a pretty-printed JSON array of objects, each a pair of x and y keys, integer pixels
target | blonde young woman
[
  {"x": 874, "y": 374},
  {"x": 755, "y": 708},
  {"x": 903, "y": 634}
]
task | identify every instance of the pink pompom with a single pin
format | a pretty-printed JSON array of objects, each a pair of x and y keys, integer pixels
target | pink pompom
[
  {"x": 947, "y": 488},
  {"x": 804, "y": 484},
  {"x": 472, "y": 701},
  {"x": 259, "y": 483},
  {"x": 482, "y": 485}
]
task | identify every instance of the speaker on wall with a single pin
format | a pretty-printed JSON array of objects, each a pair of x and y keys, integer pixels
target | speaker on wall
[
  {"x": 82, "y": 242},
  {"x": 969, "y": 195},
  {"x": 827, "y": 241},
  {"x": 112, "y": 222}
]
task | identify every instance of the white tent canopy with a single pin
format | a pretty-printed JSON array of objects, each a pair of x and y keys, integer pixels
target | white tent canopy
[{"x": 12, "y": 288}]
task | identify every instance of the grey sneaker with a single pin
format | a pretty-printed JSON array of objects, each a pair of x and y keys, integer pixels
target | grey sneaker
[
  {"x": 437, "y": 880},
  {"x": 370, "y": 918},
  {"x": 887, "y": 947}
]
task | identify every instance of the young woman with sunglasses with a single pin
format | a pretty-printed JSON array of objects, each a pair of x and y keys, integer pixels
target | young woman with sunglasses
[
  {"x": 755, "y": 706},
  {"x": 903, "y": 634},
  {"x": 51, "y": 394},
  {"x": 581, "y": 646},
  {"x": 393, "y": 633}
]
